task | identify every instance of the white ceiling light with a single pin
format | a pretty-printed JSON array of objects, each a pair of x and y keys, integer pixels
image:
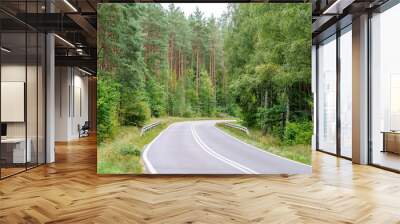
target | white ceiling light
[
  {"x": 5, "y": 50},
  {"x": 79, "y": 51},
  {"x": 65, "y": 41},
  {"x": 338, "y": 6},
  {"x": 86, "y": 72},
  {"x": 70, "y": 5}
]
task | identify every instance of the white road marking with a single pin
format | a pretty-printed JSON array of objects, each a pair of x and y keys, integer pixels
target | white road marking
[
  {"x": 146, "y": 160},
  {"x": 220, "y": 157},
  {"x": 254, "y": 147}
]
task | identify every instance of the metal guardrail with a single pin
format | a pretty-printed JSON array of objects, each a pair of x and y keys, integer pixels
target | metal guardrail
[
  {"x": 149, "y": 127},
  {"x": 244, "y": 129}
]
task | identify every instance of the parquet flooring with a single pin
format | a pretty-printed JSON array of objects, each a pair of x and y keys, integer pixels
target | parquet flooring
[{"x": 70, "y": 191}]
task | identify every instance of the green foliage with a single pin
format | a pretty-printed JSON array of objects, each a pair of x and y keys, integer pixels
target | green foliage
[
  {"x": 135, "y": 113},
  {"x": 271, "y": 119},
  {"x": 243, "y": 90},
  {"x": 207, "y": 99},
  {"x": 192, "y": 99},
  {"x": 156, "y": 97},
  {"x": 298, "y": 133},
  {"x": 128, "y": 149},
  {"x": 108, "y": 107},
  {"x": 179, "y": 103},
  {"x": 267, "y": 48},
  {"x": 121, "y": 68}
]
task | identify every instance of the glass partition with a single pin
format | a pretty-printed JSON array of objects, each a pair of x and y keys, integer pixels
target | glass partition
[
  {"x": 385, "y": 89},
  {"x": 22, "y": 77},
  {"x": 327, "y": 95},
  {"x": 346, "y": 92},
  {"x": 14, "y": 153}
]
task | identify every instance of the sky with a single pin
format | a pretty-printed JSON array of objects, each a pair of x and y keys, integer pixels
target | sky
[{"x": 207, "y": 8}]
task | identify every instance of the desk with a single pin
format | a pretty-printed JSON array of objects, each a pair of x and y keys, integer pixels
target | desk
[
  {"x": 391, "y": 141},
  {"x": 13, "y": 150}
]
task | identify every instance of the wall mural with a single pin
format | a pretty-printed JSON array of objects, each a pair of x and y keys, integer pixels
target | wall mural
[{"x": 204, "y": 88}]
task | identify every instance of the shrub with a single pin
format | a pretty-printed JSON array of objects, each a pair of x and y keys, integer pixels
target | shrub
[
  {"x": 107, "y": 106},
  {"x": 270, "y": 119},
  {"x": 298, "y": 133},
  {"x": 128, "y": 149},
  {"x": 155, "y": 97},
  {"x": 188, "y": 112},
  {"x": 136, "y": 113}
]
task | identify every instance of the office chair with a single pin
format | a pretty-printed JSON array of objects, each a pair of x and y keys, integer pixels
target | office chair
[{"x": 84, "y": 130}]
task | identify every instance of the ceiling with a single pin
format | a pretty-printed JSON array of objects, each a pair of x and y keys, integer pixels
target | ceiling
[
  {"x": 73, "y": 22},
  {"x": 332, "y": 15}
]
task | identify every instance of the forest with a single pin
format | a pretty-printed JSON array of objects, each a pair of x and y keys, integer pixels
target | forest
[{"x": 252, "y": 63}]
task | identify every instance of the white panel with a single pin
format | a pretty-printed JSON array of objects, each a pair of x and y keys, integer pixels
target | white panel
[{"x": 12, "y": 101}]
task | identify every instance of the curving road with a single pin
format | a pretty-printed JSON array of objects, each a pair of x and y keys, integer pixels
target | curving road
[{"x": 198, "y": 147}]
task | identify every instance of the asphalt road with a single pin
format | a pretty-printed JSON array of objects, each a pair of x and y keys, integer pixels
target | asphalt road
[{"x": 198, "y": 147}]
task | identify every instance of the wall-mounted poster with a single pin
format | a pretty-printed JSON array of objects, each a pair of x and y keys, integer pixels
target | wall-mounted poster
[{"x": 196, "y": 88}]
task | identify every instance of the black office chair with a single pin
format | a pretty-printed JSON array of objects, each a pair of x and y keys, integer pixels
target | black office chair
[{"x": 84, "y": 130}]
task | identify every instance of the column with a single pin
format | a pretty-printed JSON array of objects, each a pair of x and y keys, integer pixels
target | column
[{"x": 360, "y": 90}]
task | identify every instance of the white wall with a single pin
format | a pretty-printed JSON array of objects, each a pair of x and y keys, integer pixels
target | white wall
[
  {"x": 62, "y": 82},
  {"x": 16, "y": 73},
  {"x": 33, "y": 126},
  {"x": 80, "y": 109},
  {"x": 71, "y": 87}
]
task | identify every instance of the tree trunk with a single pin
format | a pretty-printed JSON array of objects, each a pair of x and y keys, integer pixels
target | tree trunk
[
  {"x": 182, "y": 65},
  {"x": 210, "y": 65},
  {"x": 214, "y": 78},
  {"x": 287, "y": 107},
  {"x": 169, "y": 55},
  {"x": 266, "y": 98},
  {"x": 197, "y": 73}
]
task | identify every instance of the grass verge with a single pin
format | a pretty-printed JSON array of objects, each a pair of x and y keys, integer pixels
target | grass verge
[
  {"x": 122, "y": 154},
  {"x": 300, "y": 153}
]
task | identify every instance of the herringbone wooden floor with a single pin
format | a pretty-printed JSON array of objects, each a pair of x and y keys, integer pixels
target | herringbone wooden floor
[{"x": 70, "y": 191}]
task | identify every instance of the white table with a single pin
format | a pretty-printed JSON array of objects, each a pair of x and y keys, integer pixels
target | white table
[{"x": 19, "y": 154}]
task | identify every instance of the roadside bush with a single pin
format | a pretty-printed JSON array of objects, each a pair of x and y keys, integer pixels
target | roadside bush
[
  {"x": 298, "y": 133},
  {"x": 155, "y": 97},
  {"x": 107, "y": 106},
  {"x": 188, "y": 112},
  {"x": 129, "y": 149},
  {"x": 221, "y": 112},
  {"x": 270, "y": 119},
  {"x": 136, "y": 113}
]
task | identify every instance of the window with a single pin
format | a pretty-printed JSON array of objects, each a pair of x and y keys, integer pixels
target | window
[
  {"x": 346, "y": 92},
  {"x": 385, "y": 89},
  {"x": 327, "y": 95}
]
